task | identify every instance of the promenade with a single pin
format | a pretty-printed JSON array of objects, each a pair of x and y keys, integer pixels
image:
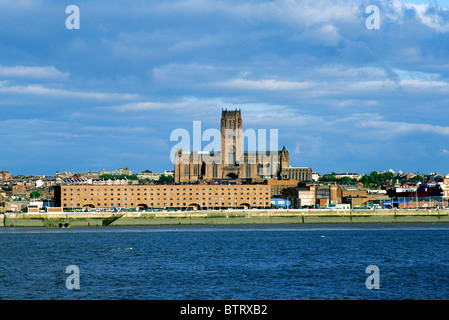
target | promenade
[{"x": 223, "y": 217}]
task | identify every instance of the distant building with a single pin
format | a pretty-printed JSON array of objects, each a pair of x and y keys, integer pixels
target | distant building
[
  {"x": 17, "y": 190},
  {"x": 423, "y": 190},
  {"x": 124, "y": 171},
  {"x": 354, "y": 176},
  {"x": 328, "y": 195},
  {"x": 313, "y": 195},
  {"x": 5, "y": 175},
  {"x": 297, "y": 173},
  {"x": 358, "y": 198},
  {"x": 276, "y": 186},
  {"x": 280, "y": 203},
  {"x": 15, "y": 206},
  {"x": 100, "y": 182},
  {"x": 446, "y": 192},
  {"x": 154, "y": 176}
]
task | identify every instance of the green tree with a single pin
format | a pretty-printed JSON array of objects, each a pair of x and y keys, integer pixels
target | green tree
[
  {"x": 166, "y": 179},
  {"x": 328, "y": 178},
  {"x": 346, "y": 180},
  {"x": 145, "y": 181},
  {"x": 35, "y": 194},
  {"x": 374, "y": 179},
  {"x": 417, "y": 178}
]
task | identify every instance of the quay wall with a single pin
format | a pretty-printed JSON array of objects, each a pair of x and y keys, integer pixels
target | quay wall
[{"x": 225, "y": 217}]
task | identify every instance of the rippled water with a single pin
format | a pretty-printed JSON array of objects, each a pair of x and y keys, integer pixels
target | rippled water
[{"x": 226, "y": 262}]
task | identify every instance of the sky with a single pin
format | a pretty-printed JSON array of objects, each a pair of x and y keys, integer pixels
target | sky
[{"x": 344, "y": 97}]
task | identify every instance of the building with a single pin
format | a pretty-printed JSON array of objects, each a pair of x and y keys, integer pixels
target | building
[
  {"x": 328, "y": 195},
  {"x": 351, "y": 175},
  {"x": 5, "y": 175},
  {"x": 358, "y": 198},
  {"x": 232, "y": 162},
  {"x": 18, "y": 190},
  {"x": 154, "y": 176},
  {"x": 313, "y": 195},
  {"x": 422, "y": 191},
  {"x": 82, "y": 181},
  {"x": 280, "y": 203},
  {"x": 15, "y": 206},
  {"x": 196, "y": 196},
  {"x": 276, "y": 186},
  {"x": 120, "y": 171},
  {"x": 299, "y": 174},
  {"x": 301, "y": 196}
]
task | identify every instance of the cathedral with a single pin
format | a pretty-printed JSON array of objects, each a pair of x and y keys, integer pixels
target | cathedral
[{"x": 232, "y": 162}]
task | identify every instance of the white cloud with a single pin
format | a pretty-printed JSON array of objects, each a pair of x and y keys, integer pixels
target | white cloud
[
  {"x": 410, "y": 85},
  {"x": 398, "y": 127},
  {"x": 268, "y": 84},
  {"x": 306, "y": 12},
  {"x": 140, "y": 106},
  {"x": 51, "y": 92},
  {"x": 431, "y": 16},
  {"x": 32, "y": 72},
  {"x": 326, "y": 34}
]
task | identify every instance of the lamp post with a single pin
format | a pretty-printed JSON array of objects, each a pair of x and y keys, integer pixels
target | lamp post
[{"x": 417, "y": 203}]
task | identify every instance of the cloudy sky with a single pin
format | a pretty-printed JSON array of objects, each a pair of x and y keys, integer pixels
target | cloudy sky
[{"x": 343, "y": 97}]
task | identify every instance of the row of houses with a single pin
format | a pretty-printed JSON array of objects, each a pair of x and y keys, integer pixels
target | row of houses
[
  {"x": 313, "y": 195},
  {"x": 291, "y": 192}
]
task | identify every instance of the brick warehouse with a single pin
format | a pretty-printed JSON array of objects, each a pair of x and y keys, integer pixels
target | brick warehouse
[{"x": 195, "y": 196}]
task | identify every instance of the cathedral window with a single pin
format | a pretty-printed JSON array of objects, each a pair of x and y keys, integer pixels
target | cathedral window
[{"x": 214, "y": 170}]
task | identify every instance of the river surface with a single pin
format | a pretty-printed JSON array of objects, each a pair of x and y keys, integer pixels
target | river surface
[{"x": 271, "y": 262}]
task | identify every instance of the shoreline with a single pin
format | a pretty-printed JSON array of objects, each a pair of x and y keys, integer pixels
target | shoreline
[{"x": 223, "y": 217}]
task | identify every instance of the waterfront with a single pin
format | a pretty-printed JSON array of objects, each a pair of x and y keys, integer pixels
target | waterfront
[
  {"x": 226, "y": 262},
  {"x": 222, "y": 217}
]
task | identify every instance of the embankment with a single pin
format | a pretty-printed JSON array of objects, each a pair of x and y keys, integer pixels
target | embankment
[{"x": 225, "y": 217}]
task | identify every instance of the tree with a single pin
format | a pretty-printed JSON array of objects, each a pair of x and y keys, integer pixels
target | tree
[
  {"x": 328, "y": 178},
  {"x": 35, "y": 194},
  {"x": 417, "y": 178},
  {"x": 346, "y": 180},
  {"x": 145, "y": 181},
  {"x": 166, "y": 179},
  {"x": 374, "y": 179}
]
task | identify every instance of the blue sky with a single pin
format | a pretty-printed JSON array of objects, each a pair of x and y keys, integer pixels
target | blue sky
[{"x": 344, "y": 98}]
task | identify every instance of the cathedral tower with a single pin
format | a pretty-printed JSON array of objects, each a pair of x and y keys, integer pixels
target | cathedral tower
[{"x": 231, "y": 137}]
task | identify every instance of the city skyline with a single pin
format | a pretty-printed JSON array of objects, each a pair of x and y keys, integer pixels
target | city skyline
[{"x": 343, "y": 97}]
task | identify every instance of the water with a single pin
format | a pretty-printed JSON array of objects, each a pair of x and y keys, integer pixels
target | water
[{"x": 226, "y": 262}]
